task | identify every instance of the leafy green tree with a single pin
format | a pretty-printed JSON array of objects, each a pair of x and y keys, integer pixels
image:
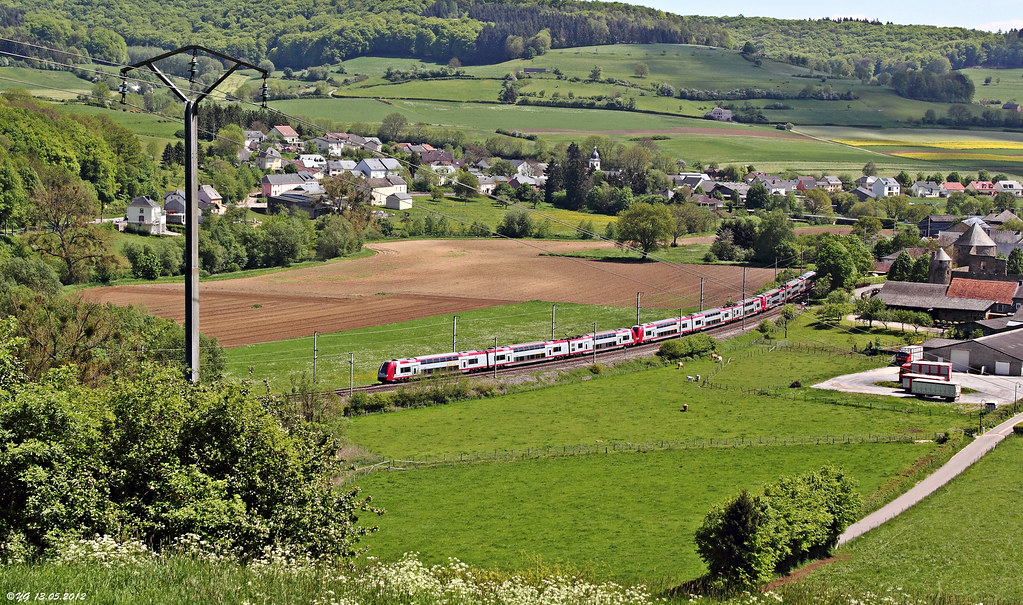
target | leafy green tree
[
  {"x": 642, "y": 70},
  {"x": 466, "y": 184},
  {"x": 736, "y": 541},
  {"x": 393, "y": 126},
  {"x": 835, "y": 263},
  {"x": 758, "y": 196},
  {"x": 1015, "y": 265},
  {"x": 773, "y": 232},
  {"x": 867, "y": 227},
  {"x": 645, "y": 225},
  {"x": 1005, "y": 201},
  {"x": 921, "y": 269},
  {"x": 902, "y": 268},
  {"x": 869, "y": 169},
  {"x": 516, "y": 223},
  {"x": 335, "y": 236},
  {"x": 595, "y": 73}
]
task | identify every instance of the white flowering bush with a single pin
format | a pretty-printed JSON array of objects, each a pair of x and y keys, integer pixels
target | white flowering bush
[{"x": 105, "y": 551}]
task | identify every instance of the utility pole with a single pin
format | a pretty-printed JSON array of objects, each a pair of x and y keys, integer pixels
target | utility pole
[
  {"x": 315, "y": 334},
  {"x": 351, "y": 373},
  {"x": 454, "y": 334},
  {"x": 638, "y": 294},
  {"x": 594, "y": 342},
  {"x": 495, "y": 357},
  {"x": 741, "y": 309},
  {"x": 701, "y": 294},
  {"x": 191, "y": 181},
  {"x": 554, "y": 309},
  {"x": 776, "y": 268}
]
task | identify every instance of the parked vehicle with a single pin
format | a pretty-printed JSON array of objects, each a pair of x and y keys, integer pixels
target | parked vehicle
[
  {"x": 940, "y": 370},
  {"x": 926, "y": 387},
  {"x": 909, "y": 354}
]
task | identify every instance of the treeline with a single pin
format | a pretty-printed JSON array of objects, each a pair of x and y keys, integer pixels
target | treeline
[
  {"x": 297, "y": 34},
  {"x": 868, "y": 49},
  {"x": 927, "y": 86}
]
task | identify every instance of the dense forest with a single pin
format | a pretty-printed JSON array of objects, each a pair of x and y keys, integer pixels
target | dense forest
[{"x": 300, "y": 34}]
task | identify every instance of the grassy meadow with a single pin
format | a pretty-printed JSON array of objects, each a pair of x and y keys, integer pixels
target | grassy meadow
[
  {"x": 464, "y": 212},
  {"x": 960, "y": 541},
  {"x": 628, "y": 517},
  {"x": 645, "y": 406}
]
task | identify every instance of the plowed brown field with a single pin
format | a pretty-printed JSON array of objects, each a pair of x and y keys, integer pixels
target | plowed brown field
[{"x": 416, "y": 279}]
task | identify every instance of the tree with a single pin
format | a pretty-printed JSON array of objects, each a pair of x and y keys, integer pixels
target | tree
[
  {"x": 527, "y": 194},
  {"x": 902, "y": 268},
  {"x": 772, "y": 233},
  {"x": 595, "y": 72},
  {"x": 575, "y": 178},
  {"x": 642, "y": 70},
  {"x": 335, "y": 236},
  {"x": 645, "y": 225},
  {"x": 869, "y": 169},
  {"x": 736, "y": 542},
  {"x": 867, "y": 227},
  {"x": 515, "y": 223},
  {"x": 904, "y": 179},
  {"x": 1015, "y": 266},
  {"x": 64, "y": 205},
  {"x": 13, "y": 196},
  {"x": 921, "y": 269},
  {"x": 465, "y": 184},
  {"x": 758, "y": 196},
  {"x": 1005, "y": 201},
  {"x": 392, "y": 127},
  {"x": 817, "y": 202},
  {"x": 835, "y": 263}
]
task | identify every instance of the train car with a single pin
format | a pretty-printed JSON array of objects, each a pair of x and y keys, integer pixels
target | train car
[{"x": 536, "y": 352}]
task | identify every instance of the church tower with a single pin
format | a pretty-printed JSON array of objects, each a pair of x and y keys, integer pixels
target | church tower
[{"x": 594, "y": 160}]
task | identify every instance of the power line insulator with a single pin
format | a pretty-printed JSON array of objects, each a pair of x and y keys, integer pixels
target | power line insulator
[
  {"x": 266, "y": 93},
  {"x": 123, "y": 89},
  {"x": 193, "y": 67}
]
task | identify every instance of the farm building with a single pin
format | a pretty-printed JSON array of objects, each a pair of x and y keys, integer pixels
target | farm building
[
  {"x": 1000, "y": 354},
  {"x": 399, "y": 200},
  {"x": 932, "y": 298}
]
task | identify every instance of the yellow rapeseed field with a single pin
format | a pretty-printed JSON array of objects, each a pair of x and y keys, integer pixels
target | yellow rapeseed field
[
  {"x": 952, "y": 145},
  {"x": 936, "y": 155}
]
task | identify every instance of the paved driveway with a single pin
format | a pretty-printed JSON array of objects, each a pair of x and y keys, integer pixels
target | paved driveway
[{"x": 997, "y": 389}]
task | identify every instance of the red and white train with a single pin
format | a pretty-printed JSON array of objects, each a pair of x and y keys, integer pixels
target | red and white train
[{"x": 397, "y": 370}]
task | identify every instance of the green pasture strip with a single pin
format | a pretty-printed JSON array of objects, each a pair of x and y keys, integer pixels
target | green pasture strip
[
  {"x": 44, "y": 83},
  {"x": 960, "y": 541},
  {"x": 444, "y": 89},
  {"x": 683, "y": 253},
  {"x": 629, "y": 516},
  {"x": 640, "y": 407},
  {"x": 911, "y": 135},
  {"x": 461, "y": 213},
  {"x": 142, "y": 124},
  {"x": 1006, "y": 85},
  {"x": 512, "y": 324}
]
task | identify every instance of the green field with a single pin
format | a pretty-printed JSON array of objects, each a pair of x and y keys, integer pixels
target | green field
[
  {"x": 645, "y": 406},
  {"x": 960, "y": 541},
  {"x": 630, "y": 516},
  {"x": 45, "y": 84},
  {"x": 461, "y": 212},
  {"x": 523, "y": 322}
]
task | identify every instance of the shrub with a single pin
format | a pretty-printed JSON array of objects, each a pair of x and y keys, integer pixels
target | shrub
[
  {"x": 695, "y": 345},
  {"x": 1018, "y": 429}
]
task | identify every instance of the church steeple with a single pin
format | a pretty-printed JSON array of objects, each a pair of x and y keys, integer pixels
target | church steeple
[{"x": 594, "y": 160}]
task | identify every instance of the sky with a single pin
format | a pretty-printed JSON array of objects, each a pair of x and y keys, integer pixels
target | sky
[{"x": 990, "y": 15}]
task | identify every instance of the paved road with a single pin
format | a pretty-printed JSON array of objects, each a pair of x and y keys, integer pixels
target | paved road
[
  {"x": 990, "y": 388},
  {"x": 960, "y": 462}
]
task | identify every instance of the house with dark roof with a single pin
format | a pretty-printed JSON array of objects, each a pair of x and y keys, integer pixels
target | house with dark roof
[
  {"x": 935, "y": 223},
  {"x": 928, "y": 189},
  {"x": 997, "y": 325},
  {"x": 146, "y": 215},
  {"x": 1012, "y": 107}
]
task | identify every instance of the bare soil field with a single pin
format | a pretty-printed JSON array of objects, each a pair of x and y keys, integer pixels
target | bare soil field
[{"x": 422, "y": 278}]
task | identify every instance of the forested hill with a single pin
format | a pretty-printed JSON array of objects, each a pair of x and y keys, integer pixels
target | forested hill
[{"x": 304, "y": 33}]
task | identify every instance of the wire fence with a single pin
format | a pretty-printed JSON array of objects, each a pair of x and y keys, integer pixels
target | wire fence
[{"x": 364, "y": 466}]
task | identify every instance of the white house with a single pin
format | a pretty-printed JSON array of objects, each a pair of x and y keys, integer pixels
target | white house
[
  {"x": 928, "y": 189},
  {"x": 378, "y": 168},
  {"x": 885, "y": 187},
  {"x": 329, "y": 144},
  {"x": 1012, "y": 187},
  {"x": 339, "y": 167},
  {"x": 147, "y": 215},
  {"x": 379, "y": 189},
  {"x": 276, "y": 184},
  {"x": 312, "y": 160},
  {"x": 287, "y": 133},
  {"x": 210, "y": 196}
]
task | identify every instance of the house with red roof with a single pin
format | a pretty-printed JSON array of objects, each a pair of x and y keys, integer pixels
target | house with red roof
[
  {"x": 1001, "y": 292},
  {"x": 287, "y": 133},
  {"x": 981, "y": 187}
]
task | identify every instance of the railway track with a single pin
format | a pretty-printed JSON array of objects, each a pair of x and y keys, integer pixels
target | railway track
[{"x": 723, "y": 332}]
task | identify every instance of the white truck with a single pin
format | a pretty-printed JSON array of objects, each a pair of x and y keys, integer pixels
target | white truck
[
  {"x": 909, "y": 354},
  {"x": 928, "y": 387}
]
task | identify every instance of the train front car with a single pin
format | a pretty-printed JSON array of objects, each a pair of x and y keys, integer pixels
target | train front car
[{"x": 386, "y": 371}]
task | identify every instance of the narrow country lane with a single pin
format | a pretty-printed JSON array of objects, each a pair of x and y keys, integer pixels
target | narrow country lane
[{"x": 960, "y": 462}]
